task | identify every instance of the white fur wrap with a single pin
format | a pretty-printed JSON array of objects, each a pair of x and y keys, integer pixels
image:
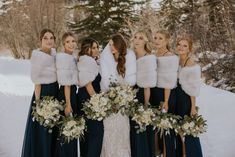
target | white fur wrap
[
  {"x": 167, "y": 71},
  {"x": 130, "y": 75},
  {"x": 67, "y": 72},
  {"x": 43, "y": 69},
  {"x": 147, "y": 71},
  {"x": 88, "y": 69},
  {"x": 190, "y": 80}
]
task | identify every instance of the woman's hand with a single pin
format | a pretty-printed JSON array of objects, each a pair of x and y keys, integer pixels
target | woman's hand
[
  {"x": 37, "y": 101},
  {"x": 193, "y": 111},
  {"x": 68, "y": 109},
  {"x": 165, "y": 107}
]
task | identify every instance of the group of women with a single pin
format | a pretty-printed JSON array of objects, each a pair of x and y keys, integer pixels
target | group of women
[{"x": 159, "y": 75}]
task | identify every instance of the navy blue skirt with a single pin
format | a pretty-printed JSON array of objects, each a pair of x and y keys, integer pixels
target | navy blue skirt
[
  {"x": 91, "y": 143},
  {"x": 142, "y": 144},
  {"x": 157, "y": 96},
  {"x": 38, "y": 142},
  {"x": 68, "y": 149},
  {"x": 183, "y": 107}
]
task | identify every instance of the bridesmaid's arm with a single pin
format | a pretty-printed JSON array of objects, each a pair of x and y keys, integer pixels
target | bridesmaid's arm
[
  {"x": 37, "y": 91},
  {"x": 90, "y": 89},
  {"x": 68, "y": 108},
  {"x": 193, "y": 107},
  {"x": 146, "y": 96},
  {"x": 167, "y": 93}
]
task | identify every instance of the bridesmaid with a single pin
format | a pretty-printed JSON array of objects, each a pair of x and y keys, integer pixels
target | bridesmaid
[
  {"x": 164, "y": 92},
  {"x": 38, "y": 142},
  {"x": 142, "y": 144},
  {"x": 89, "y": 82},
  {"x": 188, "y": 88},
  {"x": 67, "y": 75}
]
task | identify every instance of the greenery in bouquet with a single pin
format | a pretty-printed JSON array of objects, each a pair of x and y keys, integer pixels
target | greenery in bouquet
[
  {"x": 164, "y": 122},
  {"x": 71, "y": 127},
  {"x": 98, "y": 107},
  {"x": 47, "y": 112},
  {"x": 142, "y": 116},
  {"x": 193, "y": 125}
]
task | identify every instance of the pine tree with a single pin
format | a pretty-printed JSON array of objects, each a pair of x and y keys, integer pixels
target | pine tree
[{"x": 105, "y": 17}]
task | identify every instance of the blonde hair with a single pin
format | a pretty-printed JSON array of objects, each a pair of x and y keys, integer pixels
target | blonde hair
[
  {"x": 147, "y": 38},
  {"x": 167, "y": 35},
  {"x": 187, "y": 38}
]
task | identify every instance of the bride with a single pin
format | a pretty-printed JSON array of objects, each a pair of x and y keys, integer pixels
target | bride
[{"x": 117, "y": 65}]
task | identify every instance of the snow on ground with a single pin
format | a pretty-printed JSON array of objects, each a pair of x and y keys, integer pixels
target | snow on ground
[{"x": 16, "y": 90}]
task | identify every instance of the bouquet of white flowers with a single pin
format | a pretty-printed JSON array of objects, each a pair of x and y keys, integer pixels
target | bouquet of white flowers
[
  {"x": 164, "y": 122},
  {"x": 98, "y": 107},
  {"x": 47, "y": 112},
  {"x": 71, "y": 128},
  {"x": 121, "y": 97},
  {"x": 194, "y": 125},
  {"x": 142, "y": 116}
]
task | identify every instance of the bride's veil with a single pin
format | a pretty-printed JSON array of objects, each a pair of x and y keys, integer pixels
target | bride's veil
[{"x": 107, "y": 68}]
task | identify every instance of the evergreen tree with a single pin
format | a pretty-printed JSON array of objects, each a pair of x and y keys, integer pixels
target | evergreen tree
[{"x": 105, "y": 17}]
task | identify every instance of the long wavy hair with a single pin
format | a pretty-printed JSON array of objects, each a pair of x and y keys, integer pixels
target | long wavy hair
[
  {"x": 87, "y": 44},
  {"x": 120, "y": 44}
]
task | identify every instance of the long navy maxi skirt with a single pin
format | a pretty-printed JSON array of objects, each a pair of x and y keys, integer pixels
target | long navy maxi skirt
[
  {"x": 68, "y": 149},
  {"x": 183, "y": 107},
  {"x": 142, "y": 144},
  {"x": 38, "y": 142},
  {"x": 157, "y": 96}
]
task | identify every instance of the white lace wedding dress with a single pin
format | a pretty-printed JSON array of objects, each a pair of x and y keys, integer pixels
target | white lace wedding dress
[{"x": 116, "y": 140}]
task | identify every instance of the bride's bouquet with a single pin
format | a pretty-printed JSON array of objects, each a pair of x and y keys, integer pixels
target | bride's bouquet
[
  {"x": 142, "y": 116},
  {"x": 98, "y": 107},
  {"x": 71, "y": 128},
  {"x": 121, "y": 97},
  {"x": 47, "y": 112},
  {"x": 193, "y": 126}
]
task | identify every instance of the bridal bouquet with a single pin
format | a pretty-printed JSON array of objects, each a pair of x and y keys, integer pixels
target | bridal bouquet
[
  {"x": 71, "y": 128},
  {"x": 194, "y": 126},
  {"x": 143, "y": 117},
  {"x": 98, "y": 107},
  {"x": 164, "y": 122},
  {"x": 47, "y": 112},
  {"x": 121, "y": 97}
]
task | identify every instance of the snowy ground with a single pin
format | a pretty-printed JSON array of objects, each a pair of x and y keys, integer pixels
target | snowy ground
[{"x": 16, "y": 88}]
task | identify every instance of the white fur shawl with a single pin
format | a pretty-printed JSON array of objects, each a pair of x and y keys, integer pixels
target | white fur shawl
[
  {"x": 88, "y": 69},
  {"x": 109, "y": 72},
  {"x": 167, "y": 71},
  {"x": 147, "y": 71},
  {"x": 43, "y": 69},
  {"x": 67, "y": 72},
  {"x": 130, "y": 75},
  {"x": 190, "y": 80}
]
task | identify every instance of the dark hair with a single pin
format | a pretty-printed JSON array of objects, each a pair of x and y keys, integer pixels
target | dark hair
[
  {"x": 44, "y": 31},
  {"x": 86, "y": 44},
  {"x": 120, "y": 44},
  {"x": 65, "y": 35}
]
